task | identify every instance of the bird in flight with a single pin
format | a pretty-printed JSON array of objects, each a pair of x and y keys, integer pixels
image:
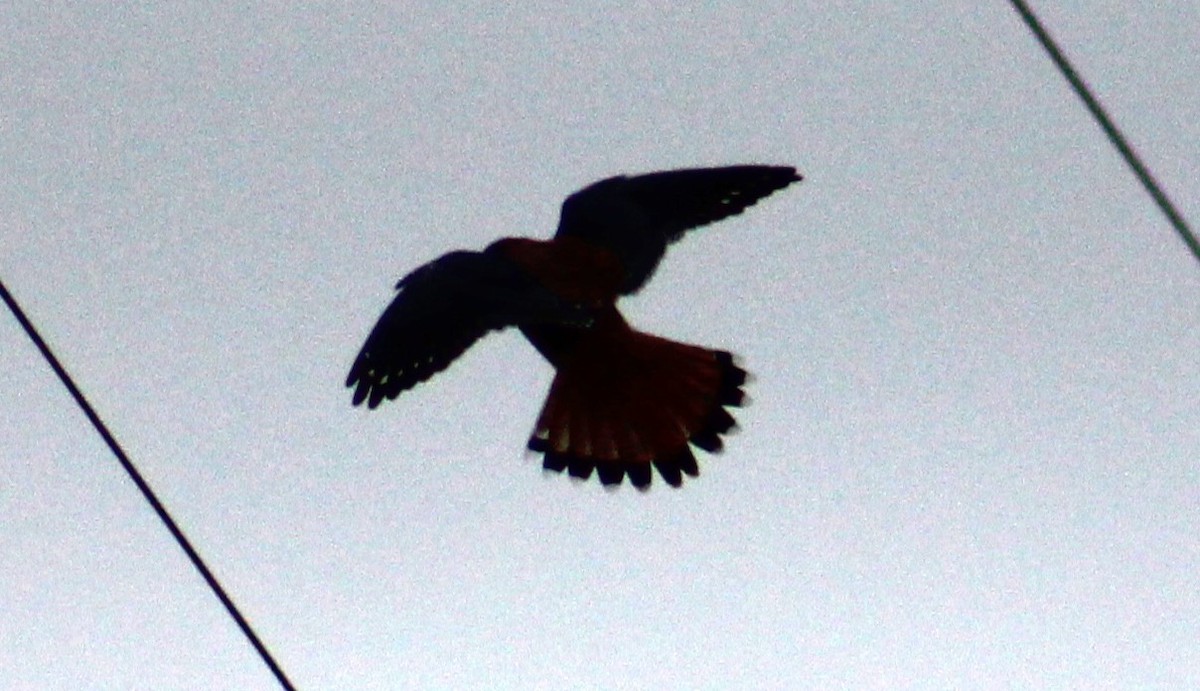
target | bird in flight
[{"x": 621, "y": 400}]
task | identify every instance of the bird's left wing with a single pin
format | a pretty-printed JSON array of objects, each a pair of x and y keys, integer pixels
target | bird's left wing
[
  {"x": 441, "y": 309},
  {"x": 637, "y": 217}
]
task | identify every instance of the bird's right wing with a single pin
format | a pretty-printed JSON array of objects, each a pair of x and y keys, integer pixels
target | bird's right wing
[{"x": 441, "y": 309}]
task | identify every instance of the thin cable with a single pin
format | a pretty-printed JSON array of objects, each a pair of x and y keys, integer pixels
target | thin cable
[
  {"x": 1114, "y": 135},
  {"x": 148, "y": 493}
]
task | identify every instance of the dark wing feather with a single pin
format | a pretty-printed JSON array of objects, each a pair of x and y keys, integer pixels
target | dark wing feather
[
  {"x": 441, "y": 309},
  {"x": 637, "y": 217}
]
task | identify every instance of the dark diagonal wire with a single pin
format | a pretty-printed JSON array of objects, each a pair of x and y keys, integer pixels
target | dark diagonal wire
[
  {"x": 1114, "y": 135},
  {"x": 148, "y": 493}
]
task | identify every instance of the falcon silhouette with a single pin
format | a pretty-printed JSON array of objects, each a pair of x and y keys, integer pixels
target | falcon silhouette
[{"x": 621, "y": 400}]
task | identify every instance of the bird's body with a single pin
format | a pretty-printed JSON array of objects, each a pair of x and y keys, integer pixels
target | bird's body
[{"x": 621, "y": 400}]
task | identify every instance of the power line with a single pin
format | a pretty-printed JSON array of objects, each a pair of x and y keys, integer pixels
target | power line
[
  {"x": 1110, "y": 129},
  {"x": 148, "y": 493}
]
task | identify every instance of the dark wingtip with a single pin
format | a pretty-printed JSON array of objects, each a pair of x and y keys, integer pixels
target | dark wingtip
[
  {"x": 785, "y": 175},
  {"x": 360, "y": 393},
  {"x": 356, "y": 380},
  {"x": 774, "y": 178}
]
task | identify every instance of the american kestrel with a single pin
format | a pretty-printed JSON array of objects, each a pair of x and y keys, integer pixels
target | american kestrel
[{"x": 621, "y": 400}]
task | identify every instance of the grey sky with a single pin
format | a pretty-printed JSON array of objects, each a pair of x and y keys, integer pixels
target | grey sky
[{"x": 971, "y": 457}]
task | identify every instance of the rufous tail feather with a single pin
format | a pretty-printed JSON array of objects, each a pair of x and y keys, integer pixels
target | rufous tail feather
[{"x": 624, "y": 401}]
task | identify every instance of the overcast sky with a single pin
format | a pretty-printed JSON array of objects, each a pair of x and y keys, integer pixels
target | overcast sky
[{"x": 971, "y": 458}]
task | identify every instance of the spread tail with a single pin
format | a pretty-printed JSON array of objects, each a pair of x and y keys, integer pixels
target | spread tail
[{"x": 623, "y": 400}]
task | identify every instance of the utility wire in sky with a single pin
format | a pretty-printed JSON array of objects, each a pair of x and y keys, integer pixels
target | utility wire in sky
[
  {"x": 148, "y": 493},
  {"x": 1110, "y": 129}
]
